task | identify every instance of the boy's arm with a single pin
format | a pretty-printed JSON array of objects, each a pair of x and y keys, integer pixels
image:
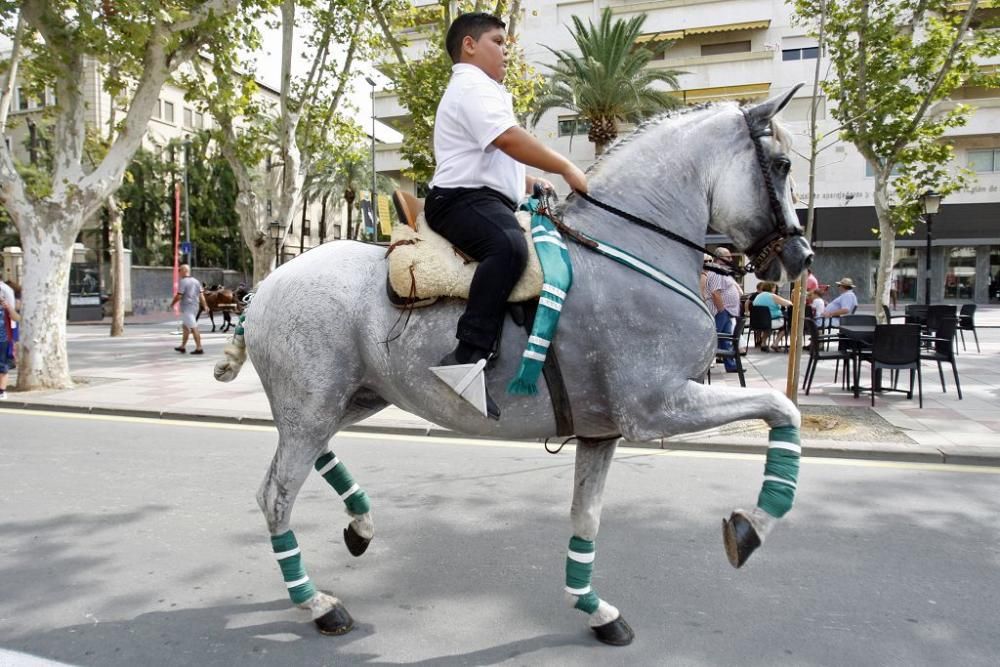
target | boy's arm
[{"x": 528, "y": 150}]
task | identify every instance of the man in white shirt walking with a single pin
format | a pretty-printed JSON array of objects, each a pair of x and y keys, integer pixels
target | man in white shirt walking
[
  {"x": 192, "y": 297},
  {"x": 481, "y": 153}
]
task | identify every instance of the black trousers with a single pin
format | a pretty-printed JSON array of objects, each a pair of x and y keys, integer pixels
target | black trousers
[{"x": 480, "y": 222}]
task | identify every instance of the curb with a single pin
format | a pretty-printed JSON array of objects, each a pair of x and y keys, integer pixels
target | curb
[{"x": 890, "y": 452}]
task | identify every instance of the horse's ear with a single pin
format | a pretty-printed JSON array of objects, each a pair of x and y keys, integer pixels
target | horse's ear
[{"x": 762, "y": 113}]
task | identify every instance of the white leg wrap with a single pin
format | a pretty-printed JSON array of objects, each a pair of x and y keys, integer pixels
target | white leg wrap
[
  {"x": 605, "y": 614},
  {"x": 363, "y": 525},
  {"x": 319, "y": 604}
]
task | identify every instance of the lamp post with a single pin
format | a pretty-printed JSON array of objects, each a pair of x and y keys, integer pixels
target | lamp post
[
  {"x": 374, "y": 218},
  {"x": 931, "y": 202},
  {"x": 277, "y": 230},
  {"x": 187, "y": 197}
]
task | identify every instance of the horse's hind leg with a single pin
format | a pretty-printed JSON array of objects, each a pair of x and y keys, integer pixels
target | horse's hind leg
[
  {"x": 593, "y": 459},
  {"x": 292, "y": 462}
]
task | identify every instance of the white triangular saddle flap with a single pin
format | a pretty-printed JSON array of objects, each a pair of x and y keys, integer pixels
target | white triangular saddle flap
[{"x": 467, "y": 380}]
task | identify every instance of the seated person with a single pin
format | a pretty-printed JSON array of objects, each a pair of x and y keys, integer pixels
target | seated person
[
  {"x": 773, "y": 302},
  {"x": 845, "y": 304},
  {"x": 815, "y": 301}
]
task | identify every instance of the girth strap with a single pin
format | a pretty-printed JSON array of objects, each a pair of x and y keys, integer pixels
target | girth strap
[{"x": 558, "y": 395}]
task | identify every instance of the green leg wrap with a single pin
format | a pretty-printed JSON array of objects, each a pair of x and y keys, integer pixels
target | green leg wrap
[
  {"x": 336, "y": 475},
  {"x": 579, "y": 567},
  {"x": 781, "y": 472},
  {"x": 239, "y": 325},
  {"x": 286, "y": 550}
]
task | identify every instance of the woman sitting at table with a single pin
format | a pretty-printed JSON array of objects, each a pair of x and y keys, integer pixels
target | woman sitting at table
[
  {"x": 816, "y": 303},
  {"x": 773, "y": 302}
]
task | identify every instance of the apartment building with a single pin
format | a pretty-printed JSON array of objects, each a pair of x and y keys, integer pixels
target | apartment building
[{"x": 749, "y": 50}]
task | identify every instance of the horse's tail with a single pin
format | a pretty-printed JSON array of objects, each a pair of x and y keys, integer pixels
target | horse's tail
[{"x": 236, "y": 355}]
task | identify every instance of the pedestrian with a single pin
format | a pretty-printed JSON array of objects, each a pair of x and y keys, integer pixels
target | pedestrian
[
  {"x": 9, "y": 317},
  {"x": 481, "y": 153},
  {"x": 192, "y": 297},
  {"x": 845, "y": 304},
  {"x": 811, "y": 282},
  {"x": 725, "y": 294},
  {"x": 773, "y": 302}
]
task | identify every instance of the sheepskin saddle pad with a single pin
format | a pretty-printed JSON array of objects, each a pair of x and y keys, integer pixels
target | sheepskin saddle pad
[{"x": 424, "y": 265}]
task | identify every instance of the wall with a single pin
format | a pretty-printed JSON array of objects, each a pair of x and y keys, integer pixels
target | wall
[{"x": 153, "y": 289}]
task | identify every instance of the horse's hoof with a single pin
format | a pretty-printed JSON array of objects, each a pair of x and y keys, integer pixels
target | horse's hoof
[
  {"x": 356, "y": 544},
  {"x": 335, "y": 622},
  {"x": 740, "y": 537},
  {"x": 615, "y": 633}
]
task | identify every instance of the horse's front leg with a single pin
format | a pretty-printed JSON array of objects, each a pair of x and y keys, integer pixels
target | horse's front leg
[
  {"x": 593, "y": 459},
  {"x": 697, "y": 407}
]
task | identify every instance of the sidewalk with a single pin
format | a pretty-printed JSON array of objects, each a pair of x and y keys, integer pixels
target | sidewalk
[{"x": 140, "y": 375}]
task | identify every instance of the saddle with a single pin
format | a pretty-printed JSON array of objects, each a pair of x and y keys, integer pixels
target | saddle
[{"x": 423, "y": 265}]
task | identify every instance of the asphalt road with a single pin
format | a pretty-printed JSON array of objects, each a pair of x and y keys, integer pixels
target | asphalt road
[{"x": 132, "y": 542}]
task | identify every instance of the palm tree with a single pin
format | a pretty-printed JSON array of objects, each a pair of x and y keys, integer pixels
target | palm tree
[
  {"x": 608, "y": 82},
  {"x": 342, "y": 178}
]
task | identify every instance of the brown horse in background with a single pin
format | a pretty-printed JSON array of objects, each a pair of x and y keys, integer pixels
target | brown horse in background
[{"x": 221, "y": 300}]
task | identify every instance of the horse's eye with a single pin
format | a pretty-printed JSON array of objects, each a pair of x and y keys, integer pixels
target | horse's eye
[{"x": 783, "y": 165}]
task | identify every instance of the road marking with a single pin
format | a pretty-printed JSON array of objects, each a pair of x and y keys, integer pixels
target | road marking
[{"x": 513, "y": 444}]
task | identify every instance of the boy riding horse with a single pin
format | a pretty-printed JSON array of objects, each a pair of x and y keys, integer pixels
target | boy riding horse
[{"x": 481, "y": 153}]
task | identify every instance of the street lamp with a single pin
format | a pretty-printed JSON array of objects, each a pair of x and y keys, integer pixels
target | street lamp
[
  {"x": 931, "y": 202},
  {"x": 277, "y": 230},
  {"x": 374, "y": 219},
  {"x": 187, "y": 197}
]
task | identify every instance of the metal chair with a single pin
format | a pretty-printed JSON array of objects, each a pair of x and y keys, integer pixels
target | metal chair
[
  {"x": 760, "y": 323},
  {"x": 967, "y": 322},
  {"x": 734, "y": 350},
  {"x": 889, "y": 317},
  {"x": 916, "y": 314},
  {"x": 944, "y": 350},
  {"x": 896, "y": 347},
  {"x": 818, "y": 351}
]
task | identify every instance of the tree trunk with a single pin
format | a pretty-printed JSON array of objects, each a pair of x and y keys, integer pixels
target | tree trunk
[
  {"x": 887, "y": 240},
  {"x": 349, "y": 198},
  {"x": 117, "y": 268},
  {"x": 44, "y": 363}
]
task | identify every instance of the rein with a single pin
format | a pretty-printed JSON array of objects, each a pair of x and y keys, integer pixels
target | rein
[{"x": 761, "y": 253}]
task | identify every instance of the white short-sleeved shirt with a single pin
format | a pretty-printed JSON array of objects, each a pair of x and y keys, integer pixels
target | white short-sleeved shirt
[{"x": 474, "y": 111}]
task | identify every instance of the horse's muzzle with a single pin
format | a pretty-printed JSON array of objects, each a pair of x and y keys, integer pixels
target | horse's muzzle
[{"x": 796, "y": 255}]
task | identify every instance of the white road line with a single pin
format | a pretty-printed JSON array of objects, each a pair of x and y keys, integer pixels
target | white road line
[{"x": 513, "y": 444}]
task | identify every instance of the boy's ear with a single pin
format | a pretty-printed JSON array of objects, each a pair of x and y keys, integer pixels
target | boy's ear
[{"x": 468, "y": 44}]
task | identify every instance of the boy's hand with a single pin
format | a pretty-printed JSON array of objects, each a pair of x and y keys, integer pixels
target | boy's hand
[{"x": 575, "y": 178}]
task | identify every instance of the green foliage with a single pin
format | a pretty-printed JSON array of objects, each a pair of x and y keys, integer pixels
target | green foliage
[
  {"x": 608, "y": 81},
  {"x": 421, "y": 82},
  {"x": 895, "y": 65}
]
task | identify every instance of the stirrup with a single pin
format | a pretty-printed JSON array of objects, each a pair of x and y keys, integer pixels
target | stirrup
[{"x": 466, "y": 380}]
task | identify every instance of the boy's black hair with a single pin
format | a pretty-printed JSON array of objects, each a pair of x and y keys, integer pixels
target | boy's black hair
[{"x": 472, "y": 24}]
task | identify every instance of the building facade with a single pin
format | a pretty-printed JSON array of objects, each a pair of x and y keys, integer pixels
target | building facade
[{"x": 747, "y": 51}]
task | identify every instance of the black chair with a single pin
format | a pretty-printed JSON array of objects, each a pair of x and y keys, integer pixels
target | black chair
[
  {"x": 734, "y": 350},
  {"x": 967, "y": 322},
  {"x": 916, "y": 314},
  {"x": 760, "y": 325},
  {"x": 818, "y": 351},
  {"x": 944, "y": 350},
  {"x": 937, "y": 313},
  {"x": 889, "y": 317},
  {"x": 858, "y": 320},
  {"x": 896, "y": 347}
]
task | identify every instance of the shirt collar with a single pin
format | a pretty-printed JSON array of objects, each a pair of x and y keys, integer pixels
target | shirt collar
[{"x": 466, "y": 68}]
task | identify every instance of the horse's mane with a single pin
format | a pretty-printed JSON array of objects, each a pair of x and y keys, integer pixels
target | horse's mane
[{"x": 780, "y": 133}]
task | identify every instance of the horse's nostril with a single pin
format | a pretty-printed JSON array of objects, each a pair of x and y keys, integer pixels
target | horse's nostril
[{"x": 809, "y": 259}]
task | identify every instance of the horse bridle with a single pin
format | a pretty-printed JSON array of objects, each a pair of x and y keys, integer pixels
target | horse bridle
[{"x": 761, "y": 254}]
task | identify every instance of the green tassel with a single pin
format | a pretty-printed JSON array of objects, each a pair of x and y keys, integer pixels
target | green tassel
[{"x": 521, "y": 387}]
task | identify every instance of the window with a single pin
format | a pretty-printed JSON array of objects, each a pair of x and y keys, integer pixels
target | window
[
  {"x": 269, "y": 208},
  {"x": 307, "y": 227},
  {"x": 985, "y": 160},
  {"x": 905, "y": 274},
  {"x": 725, "y": 47},
  {"x": 569, "y": 125},
  {"x": 960, "y": 273},
  {"x": 994, "y": 274},
  {"x": 199, "y": 120},
  {"x": 870, "y": 173},
  {"x": 188, "y": 117},
  {"x": 168, "y": 112},
  {"x": 805, "y": 53}
]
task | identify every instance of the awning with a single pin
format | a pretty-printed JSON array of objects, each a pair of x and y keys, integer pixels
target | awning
[
  {"x": 719, "y": 93},
  {"x": 703, "y": 30},
  {"x": 660, "y": 36}
]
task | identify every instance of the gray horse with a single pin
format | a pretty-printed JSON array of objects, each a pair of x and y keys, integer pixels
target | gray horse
[{"x": 632, "y": 351}]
